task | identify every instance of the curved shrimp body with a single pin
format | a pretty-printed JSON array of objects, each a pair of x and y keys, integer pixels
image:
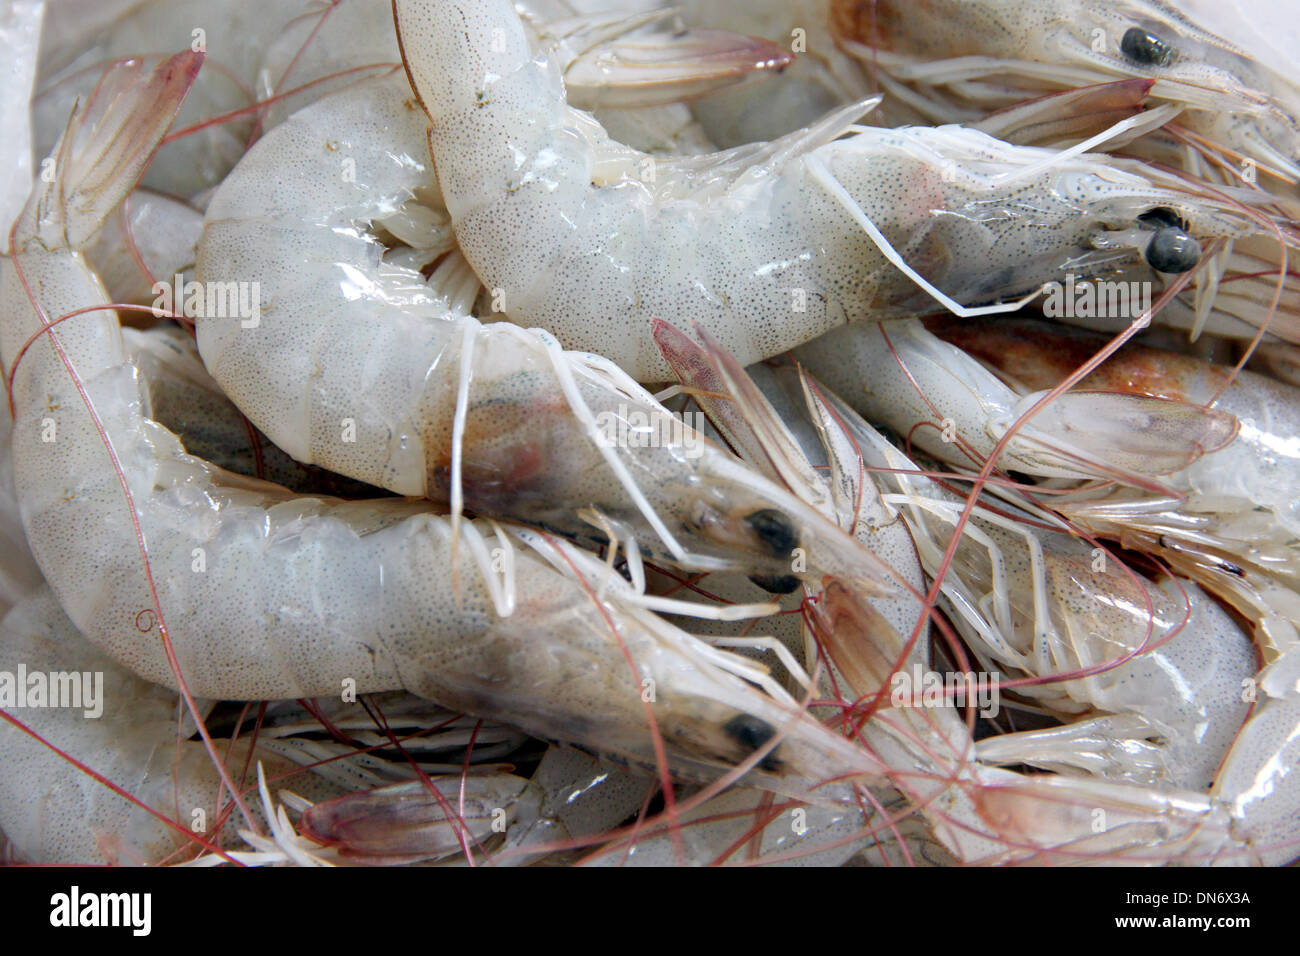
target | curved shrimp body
[
  {"x": 188, "y": 402},
  {"x": 356, "y": 364},
  {"x": 330, "y": 595},
  {"x": 1034, "y": 604},
  {"x": 122, "y": 727},
  {"x": 992, "y": 53},
  {"x": 1186, "y": 691},
  {"x": 775, "y": 245}
]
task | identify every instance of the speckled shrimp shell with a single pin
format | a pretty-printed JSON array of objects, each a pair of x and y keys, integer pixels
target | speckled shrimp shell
[
  {"x": 766, "y": 246},
  {"x": 265, "y": 595},
  {"x": 356, "y": 363}
]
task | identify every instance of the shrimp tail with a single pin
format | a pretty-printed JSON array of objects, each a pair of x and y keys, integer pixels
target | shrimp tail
[
  {"x": 1128, "y": 437},
  {"x": 829, "y": 550},
  {"x": 740, "y": 413},
  {"x": 614, "y": 71},
  {"x": 106, "y": 147}
]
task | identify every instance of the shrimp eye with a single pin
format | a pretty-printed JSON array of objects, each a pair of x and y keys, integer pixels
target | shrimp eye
[
  {"x": 1163, "y": 216},
  {"x": 775, "y": 531},
  {"x": 1173, "y": 250},
  {"x": 751, "y": 733},
  {"x": 776, "y": 583},
  {"x": 1145, "y": 48}
]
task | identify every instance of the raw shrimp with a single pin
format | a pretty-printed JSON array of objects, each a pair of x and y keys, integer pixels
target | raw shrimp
[
  {"x": 603, "y": 65},
  {"x": 767, "y": 246},
  {"x": 948, "y": 404},
  {"x": 1191, "y": 685},
  {"x": 332, "y": 596},
  {"x": 357, "y": 364},
  {"x": 929, "y": 749},
  {"x": 1234, "y": 527},
  {"x": 959, "y": 57},
  {"x": 842, "y": 61},
  {"x": 1040, "y": 602},
  {"x": 234, "y": 35},
  {"x": 123, "y": 728}
]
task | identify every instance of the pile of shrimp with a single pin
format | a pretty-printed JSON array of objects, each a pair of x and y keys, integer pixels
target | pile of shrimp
[{"x": 593, "y": 432}]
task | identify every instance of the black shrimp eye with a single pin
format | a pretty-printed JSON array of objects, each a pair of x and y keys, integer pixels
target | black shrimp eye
[
  {"x": 776, "y": 583},
  {"x": 1173, "y": 250},
  {"x": 1163, "y": 216},
  {"x": 1145, "y": 48},
  {"x": 751, "y": 733},
  {"x": 775, "y": 530}
]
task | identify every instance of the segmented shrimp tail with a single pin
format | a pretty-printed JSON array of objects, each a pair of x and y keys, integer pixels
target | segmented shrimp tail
[{"x": 106, "y": 147}]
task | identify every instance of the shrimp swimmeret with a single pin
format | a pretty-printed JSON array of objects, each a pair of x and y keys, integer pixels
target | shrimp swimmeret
[
  {"x": 356, "y": 363},
  {"x": 140, "y": 540},
  {"x": 767, "y": 245}
]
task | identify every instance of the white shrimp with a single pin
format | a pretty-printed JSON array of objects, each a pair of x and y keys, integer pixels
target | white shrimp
[
  {"x": 1195, "y": 688},
  {"x": 949, "y": 58},
  {"x": 1229, "y": 126},
  {"x": 1234, "y": 527},
  {"x": 121, "y": 727},
  {"x": 902, "y": 375},
  {"x": 256, "y": 52},
  {"x": 1041, "y": 602},
  {"x": 1197, "y": 684},
  {"x": 767, "y": 246},
  {"x": 331, "y": 595},
  {"x": 638, "y": 79},
  {"x": 131, "y": 737},
  {"x": 357, "y": 364}
]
